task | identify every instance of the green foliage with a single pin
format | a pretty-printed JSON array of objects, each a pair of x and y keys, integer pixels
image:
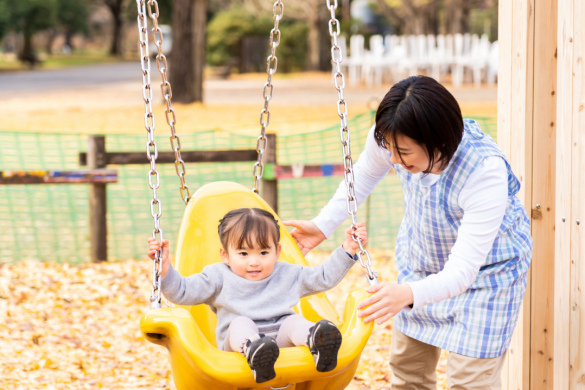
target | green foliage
[
  {"x": 292, "y": 51},
  {"x": 227, "y": 29},
  {"x": 30, "y": 16},
  {"x": 4, "y": 18},
  {"x": 225, "y": 32},
  {"x": 73, "y": 16}
]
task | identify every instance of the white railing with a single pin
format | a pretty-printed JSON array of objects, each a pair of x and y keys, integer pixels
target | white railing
[{"x": 392, "y": 58}]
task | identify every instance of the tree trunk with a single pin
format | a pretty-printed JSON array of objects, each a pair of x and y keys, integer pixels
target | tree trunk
[
  {"x": 116, "y": 48},
  {"x": 51, "y": 36},
  {"x": 27, "y": 54},
  {"x": 116, "y": 8},
  {"x": 188, "y": 52},
  {"x": 454, "y": 10},
  {"x": 313, "y": 42},
  {"x": 345, "y": 11}
]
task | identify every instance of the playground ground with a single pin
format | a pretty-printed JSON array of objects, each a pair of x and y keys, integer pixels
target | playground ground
[{"x": 76, "y": 327}]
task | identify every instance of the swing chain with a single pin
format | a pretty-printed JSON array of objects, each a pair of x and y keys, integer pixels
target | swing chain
[
  {"x": 167, "y": 93},
  {"x": 339, "y": 80},
  {"x": 151, "y": 151},
  {"x": 271, "y": 65}
]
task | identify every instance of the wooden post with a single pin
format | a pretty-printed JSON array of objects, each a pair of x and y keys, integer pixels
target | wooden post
[
  {"x": 96, "y": 158},
  {"x": 270, "y": 187},
  {"x": 544, "y": 128},
  {"x": 515, "y": 102}
]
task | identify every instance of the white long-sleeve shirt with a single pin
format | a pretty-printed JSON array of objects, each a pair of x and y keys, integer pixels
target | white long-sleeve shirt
[{"x": 483, "y": 199}]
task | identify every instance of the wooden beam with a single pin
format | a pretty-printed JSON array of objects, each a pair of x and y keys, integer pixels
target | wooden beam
[
  {"x": 123, "y": 158},
  {"x": 98, "y": 230},
  {"x": 270, "y": 185},
  {"x": 59, "y": 177},
  {"x": 300, "y": 170}
]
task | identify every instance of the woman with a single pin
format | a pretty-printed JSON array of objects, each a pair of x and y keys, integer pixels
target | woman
[{"x": 463, "y": 248}]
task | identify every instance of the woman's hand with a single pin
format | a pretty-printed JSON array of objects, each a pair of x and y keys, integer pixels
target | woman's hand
[
  {"x": 153, "y": 246},
  {"x": 306, "y": 234},
  {"x": 387, "y": 301}
]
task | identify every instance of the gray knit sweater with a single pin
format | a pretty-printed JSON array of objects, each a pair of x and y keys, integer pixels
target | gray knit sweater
[{"x": 267, "y": 302}]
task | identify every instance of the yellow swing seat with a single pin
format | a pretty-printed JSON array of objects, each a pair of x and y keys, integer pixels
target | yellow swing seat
[{"x": 188, "y": 332}]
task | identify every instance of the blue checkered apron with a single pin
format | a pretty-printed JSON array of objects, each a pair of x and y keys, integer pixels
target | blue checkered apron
[{"x": 480, "y": 321}]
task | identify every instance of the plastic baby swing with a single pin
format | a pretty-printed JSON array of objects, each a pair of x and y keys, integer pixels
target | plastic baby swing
[{"x": 189, "y": 332}]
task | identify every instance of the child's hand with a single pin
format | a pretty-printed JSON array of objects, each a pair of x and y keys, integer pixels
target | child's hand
[
  {"x": 351, "y": 246},
  {"x": 153, "y": 246}
]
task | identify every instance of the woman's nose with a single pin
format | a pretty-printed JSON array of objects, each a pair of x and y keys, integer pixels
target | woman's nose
[{"x": 393, "y": 158}]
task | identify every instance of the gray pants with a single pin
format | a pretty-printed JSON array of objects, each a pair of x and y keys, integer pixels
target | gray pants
[{"x": 293, "y": 332}]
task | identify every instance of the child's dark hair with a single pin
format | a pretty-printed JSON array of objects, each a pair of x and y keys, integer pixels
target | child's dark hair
[
  {"x": 252, "y": 226},
  {"x": 422, "y": 109}
]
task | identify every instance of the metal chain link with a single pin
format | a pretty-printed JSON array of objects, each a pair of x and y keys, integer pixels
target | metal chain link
[
  {"x": 167, "y": 93},
  {"x": 151, "y": 151},
  {"x": 339, "y": 80},
  {"x": 271, "y": 65}
]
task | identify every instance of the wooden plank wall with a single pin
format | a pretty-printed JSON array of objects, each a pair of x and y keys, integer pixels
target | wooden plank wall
[
  {"x": 569, "y": 337},
  {"x": 527, "y": 96},
  {"x": 542, "y": 60}
]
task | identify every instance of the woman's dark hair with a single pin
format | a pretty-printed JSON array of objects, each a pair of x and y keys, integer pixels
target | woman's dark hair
[
  {"x": 422, "y": 109},
  {"x": 252, "y": 226}
]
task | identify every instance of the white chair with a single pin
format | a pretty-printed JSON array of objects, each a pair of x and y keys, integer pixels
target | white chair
[
  {"x": 480, "y": 50},
  {"x": 492, "y": 64},
  {"x": 373, "y": 64},
  {"x": 460, "y": 58},
  {"x": 395, "y": 58},
  {"x": 355, "y": 59}
]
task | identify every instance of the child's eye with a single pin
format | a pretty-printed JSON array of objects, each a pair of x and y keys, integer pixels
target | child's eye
[
  {"x": 264, "y": 253},
  {"x": 243, "y": 254}
]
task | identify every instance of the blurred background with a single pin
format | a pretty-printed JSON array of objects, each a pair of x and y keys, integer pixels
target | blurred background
[{"x": 70, "y": 69}]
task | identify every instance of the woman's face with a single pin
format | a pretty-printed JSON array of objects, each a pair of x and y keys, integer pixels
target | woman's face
[{"x": 414, "y": 157}]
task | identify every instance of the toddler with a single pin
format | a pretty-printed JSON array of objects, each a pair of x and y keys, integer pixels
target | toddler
[{"x": 252, "y": 293}]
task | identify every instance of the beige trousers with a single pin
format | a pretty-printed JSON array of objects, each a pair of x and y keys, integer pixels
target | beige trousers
[{"x": 413, "y": 365}]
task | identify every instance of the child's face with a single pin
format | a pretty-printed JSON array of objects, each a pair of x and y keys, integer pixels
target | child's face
[{"x": 251, "y": 263}]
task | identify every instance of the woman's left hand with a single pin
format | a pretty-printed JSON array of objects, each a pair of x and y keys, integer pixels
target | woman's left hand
[{"x": 387, "y": 301}]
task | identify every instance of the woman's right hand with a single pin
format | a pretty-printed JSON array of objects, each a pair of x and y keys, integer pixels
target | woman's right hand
[
  {"x": 306, "y": 234},
  {"x": 153, "y": 246}
]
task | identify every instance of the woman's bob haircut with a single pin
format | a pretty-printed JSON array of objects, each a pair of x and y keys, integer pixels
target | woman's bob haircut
[{"x": 422, "y": 109}]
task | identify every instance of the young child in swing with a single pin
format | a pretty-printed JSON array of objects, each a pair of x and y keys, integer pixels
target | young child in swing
[{"x": 252, "y": 292}]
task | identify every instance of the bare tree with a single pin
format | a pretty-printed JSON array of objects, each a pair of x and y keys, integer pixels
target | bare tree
[
  {"x": 458, "y": 11},
  {"x": 188, "y": 54},
  {"x": 412, "y": 16}
]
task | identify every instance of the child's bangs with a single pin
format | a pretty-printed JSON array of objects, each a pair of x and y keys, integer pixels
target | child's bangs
[{"x": 257, "y": 232}]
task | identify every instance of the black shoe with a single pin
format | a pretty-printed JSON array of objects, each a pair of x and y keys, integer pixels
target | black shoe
[
  {"x": 324, "y": 343},
  {"x": 261, "y": 355}
]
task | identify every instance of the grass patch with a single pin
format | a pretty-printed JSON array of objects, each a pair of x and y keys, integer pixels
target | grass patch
[{"x": 9, "y": 62}]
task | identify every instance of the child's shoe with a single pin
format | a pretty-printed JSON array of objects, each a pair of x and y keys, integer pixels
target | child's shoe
[
  {"x": 324, "y": 342},
  {"x": 261, "y": 354}
]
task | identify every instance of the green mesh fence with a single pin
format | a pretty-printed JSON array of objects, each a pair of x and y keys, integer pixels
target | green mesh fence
[{"x": 49, "y": 222}]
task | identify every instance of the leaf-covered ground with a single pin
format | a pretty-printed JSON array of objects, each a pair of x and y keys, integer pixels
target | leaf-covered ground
[{"x": 77, "y": 327}]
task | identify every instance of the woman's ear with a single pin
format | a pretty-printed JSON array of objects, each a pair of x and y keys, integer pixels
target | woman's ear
[{"x": 224, "y": 256}]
